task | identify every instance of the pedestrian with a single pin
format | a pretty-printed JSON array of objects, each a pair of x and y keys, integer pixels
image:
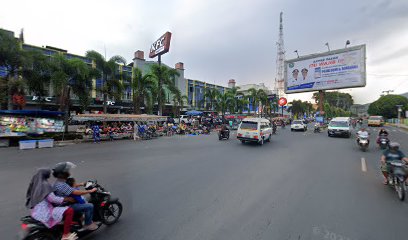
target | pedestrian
[{"x": 96, "y": 134}]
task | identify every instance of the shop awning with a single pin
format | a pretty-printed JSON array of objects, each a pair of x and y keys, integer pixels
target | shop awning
[{"x": 118, "y": 118}]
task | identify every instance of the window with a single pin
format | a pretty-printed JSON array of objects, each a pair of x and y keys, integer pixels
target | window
[
  {"x": 249, "y": 125},
  {"x": 338, "y": 124}
]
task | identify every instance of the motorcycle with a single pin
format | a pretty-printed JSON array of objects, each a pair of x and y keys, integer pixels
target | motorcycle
[
  {"x": 274, "y": 129},
  {"x": 107, "y": 210},
  {"x": 397, "y": 178},
  {"x": 316, "y": 128},
  {"x": 383, "y": 141},
  {"x": 223, "y": 134},
  {"x": 363, "y": 143}
]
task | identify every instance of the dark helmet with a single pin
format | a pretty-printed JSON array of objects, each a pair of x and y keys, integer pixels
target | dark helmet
[
  {"x": 394, "y": 146},
  {"x": 63, "y": 169}
]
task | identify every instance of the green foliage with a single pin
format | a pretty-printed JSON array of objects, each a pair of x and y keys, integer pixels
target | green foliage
[
  {"x": 211, "y": 94},
  {"x": 337, "y": 99},
  {"x": 299, "y": 108},
  {"x": 386, "y": 106},
  {"x": 143, "y": 89}
]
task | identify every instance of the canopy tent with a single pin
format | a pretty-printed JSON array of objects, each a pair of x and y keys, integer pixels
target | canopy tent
[
  {"x": 193, "y": 113},
  {"x": 118, "y": 118}
]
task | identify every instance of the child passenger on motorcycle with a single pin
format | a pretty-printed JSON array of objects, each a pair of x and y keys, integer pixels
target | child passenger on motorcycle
[
  {"x": 72, "y": 183},
  {"x": 391, "y": 154}
]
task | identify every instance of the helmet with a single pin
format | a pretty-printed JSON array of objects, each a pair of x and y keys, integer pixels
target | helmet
[
  {"x": 394, "y": 145},
  {"x": 63, "y": 169}
]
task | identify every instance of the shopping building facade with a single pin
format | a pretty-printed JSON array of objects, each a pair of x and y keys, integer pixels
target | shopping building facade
[{"x": 193, "y": 89}]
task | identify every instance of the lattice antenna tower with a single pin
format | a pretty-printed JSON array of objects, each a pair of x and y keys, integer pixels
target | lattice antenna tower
[{"x": 280, "y": 60}]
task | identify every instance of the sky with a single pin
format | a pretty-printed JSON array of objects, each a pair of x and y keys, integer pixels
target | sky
[{"x": 218, "y": 40}]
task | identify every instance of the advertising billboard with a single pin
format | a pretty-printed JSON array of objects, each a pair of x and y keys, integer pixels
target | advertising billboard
[
  {"x": 344, "y": 68},
  {"x": 161, "y": 45}
]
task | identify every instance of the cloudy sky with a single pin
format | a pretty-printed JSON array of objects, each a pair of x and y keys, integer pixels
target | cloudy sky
[{"x": 222, "y": 39}]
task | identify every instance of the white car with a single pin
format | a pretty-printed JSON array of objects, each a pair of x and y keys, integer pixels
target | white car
[
  {"x": 183, "y": 119},
  {"x": 298, "y": 125},
  {"x": 256, "y": 130}
]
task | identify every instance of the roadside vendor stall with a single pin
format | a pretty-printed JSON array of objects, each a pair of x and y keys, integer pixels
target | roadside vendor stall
[
  {"x": 17, "y": 124},
  {"x": 115, "y": 126}
]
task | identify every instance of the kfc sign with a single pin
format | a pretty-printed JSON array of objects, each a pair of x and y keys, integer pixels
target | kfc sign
[
  {"x": 38, "y": 98},
  {"x": 161, "y": 45}
]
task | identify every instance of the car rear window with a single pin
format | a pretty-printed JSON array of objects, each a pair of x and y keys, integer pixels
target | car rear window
[
  {"x": 374, "y": 118},
  {"x": 338, "y": 124},
  {"x": 297, "y": 122},
  {"x": 249, "y": 125}
]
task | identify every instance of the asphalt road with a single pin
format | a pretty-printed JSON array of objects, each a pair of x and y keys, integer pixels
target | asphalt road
[{"x": 299, "y": 186}]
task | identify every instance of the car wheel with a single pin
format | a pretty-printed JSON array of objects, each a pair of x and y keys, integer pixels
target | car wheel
[
  {"x": 328, "y": 134},
  {"x": 242, "y": 141},
  {"x": 291, "y": 130},
  {"x": 269, "y": 138}
]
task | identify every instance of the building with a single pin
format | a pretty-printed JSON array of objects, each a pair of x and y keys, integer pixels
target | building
[{"x": 194, "y": 90}]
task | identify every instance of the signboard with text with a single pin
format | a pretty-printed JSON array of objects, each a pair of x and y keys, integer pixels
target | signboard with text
[
  {"x": 344, "y": 68},
  {"x": 161, "y": 45}
]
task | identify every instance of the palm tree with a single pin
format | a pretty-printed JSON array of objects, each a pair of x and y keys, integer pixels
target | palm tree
[
  {"x": 142, "y": 89},
  {"x": 71, "y": 75},
  {"x": 211, "y": 95},
  {"x": 223, "y": 102},
  {"x": 263, "y": 99},
  {"x": 178, "y": 102},
  {"x": 242, "y": 104},
  {"x": 234, "y": 94},
  {"x": 166, "y": 82},
  {"x": 111, "y": 85},
  {"x": 37, "y": 72}
]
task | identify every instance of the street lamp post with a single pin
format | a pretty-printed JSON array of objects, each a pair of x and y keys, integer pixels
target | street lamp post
[
  {"x": 347, "y": 43},
  {"x": 296, "y": 51},
  {"x": 399, "y": 114},
  {"x": 328, "y": 47}
]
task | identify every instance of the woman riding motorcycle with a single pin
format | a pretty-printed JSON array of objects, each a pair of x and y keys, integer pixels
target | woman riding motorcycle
[
  {"x": 42, "y": 202},
  {"x": 382, "y": 133}
]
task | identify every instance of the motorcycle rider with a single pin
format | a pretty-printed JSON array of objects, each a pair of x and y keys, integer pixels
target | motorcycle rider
[
  {"x": 391, "y": 154},
  {"x": 362, "y": 134},
  {"x": 223, "y": 130},
  {"x": 274, "y": 126},
  {"x": 62, "y": 171},
  {"x": 382, "y": 133}
]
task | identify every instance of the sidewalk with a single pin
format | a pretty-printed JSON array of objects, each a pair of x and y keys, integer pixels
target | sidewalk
[{"x": 404, "y": 127}]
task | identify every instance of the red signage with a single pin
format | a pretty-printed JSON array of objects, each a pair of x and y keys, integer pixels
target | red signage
[
  {"x": 161, "y": 45},
  {"x": 282, "y": 101}
]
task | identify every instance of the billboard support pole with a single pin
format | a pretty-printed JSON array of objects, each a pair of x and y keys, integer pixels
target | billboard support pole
[
  {"x": 159, "y": 99},
  {"x": 282, "y": 111},
  {"x": 321, "y": 101}
]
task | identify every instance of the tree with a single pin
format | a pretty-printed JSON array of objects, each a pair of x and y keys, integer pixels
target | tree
[
  {"x": 242, "y": 104},
  {"x": 386, "y": 106},
  {"x": 70, "y": 76},
  {"x": 336, "y": 99},
  {"x": 165, "y": 80},
  {"x": 178, "y": 102},
  {"x": 111, "y": 85},
  {"x": 211, "y": 94},
  {"x": 253, "y": 97},
  {"x": 142, "y": 90},
  {"x": 234, "y": 95},
  {"x": 223, "y": 102},
  {"x": 12, "y": 58},
  {"x": 36, "y": 72}
]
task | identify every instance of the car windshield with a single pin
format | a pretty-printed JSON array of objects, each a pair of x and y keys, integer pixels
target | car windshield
[
  {"x": 249, "y": 125},
  {"x": 338, "y": 124},
  {"x": 297, "y": 122}
]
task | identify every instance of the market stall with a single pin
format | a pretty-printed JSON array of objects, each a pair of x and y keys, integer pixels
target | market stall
[
  {"x": 115, "y": 126},
  {"x": 15, "y": 124}
]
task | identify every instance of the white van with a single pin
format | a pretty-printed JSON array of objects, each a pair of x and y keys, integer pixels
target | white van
[
  {"x": 339, "y": 126},
  {"x": 254, "y": 130}
]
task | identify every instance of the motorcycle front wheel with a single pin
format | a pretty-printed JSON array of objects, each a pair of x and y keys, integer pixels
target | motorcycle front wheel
[
  {"x": 111, "y": 213},
  {"x": 400, "y": 188}
]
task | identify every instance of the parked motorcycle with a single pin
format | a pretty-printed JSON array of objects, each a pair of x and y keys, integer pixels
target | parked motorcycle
[
  {"x": 107, "y": 210},
  {"x": 397, "y": 178},
  {"x": 223, "y": 134},
  {"x": 363, "y": 143},
  {"x": 383, "y": 141}
]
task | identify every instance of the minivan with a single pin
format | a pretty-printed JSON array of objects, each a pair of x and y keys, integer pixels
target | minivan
[
  {"x": 256, "y": 130},
  {"x": 339, "y": 126}
]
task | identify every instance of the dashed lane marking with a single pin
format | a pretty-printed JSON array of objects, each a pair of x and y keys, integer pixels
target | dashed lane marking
[{"x": 363, "y": 165}]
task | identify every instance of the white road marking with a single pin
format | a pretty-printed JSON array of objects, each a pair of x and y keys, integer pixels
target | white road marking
[{"x": 363, "y": 165}]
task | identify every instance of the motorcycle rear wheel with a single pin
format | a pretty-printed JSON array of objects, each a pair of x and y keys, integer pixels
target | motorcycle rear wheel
[
  {"x": 42, "y": 236},
  {"x": 111, "y": 213}
]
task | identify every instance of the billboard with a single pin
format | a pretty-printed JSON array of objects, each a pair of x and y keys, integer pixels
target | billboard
[
  {"x": 344, "y": 68},
  {"x": 161, "y": 45}
]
